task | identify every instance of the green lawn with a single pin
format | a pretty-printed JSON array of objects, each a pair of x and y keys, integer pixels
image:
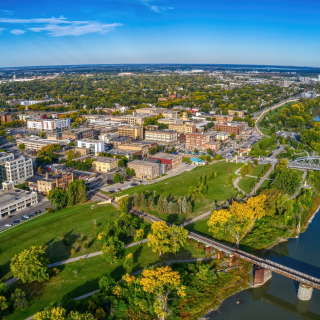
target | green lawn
[
  {"x": 81, "y": 277},
  {"x": 245, "y": 183},
  {"x": 267, "y": 132},
  {"x": 50, "y": 227},
  {"x": 178, "y": 186},
  {"x": 257, "y": 170}
]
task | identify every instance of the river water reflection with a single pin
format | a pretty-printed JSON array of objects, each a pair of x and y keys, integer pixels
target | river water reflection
[{"x": 278, "y": 298}]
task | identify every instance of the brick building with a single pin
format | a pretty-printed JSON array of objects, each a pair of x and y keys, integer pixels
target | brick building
[
  {"x": 48, "y": 183},
  {"x": 6, "y": 117},
  {"x": 183, "y": 128},
  {"x": 237, "y": 113},
  {"x": 230, "y": 127},
  {"x": 77, "y": 134},
  {"x": 171, "y": 160},
  {"x": 104, "y": 164},
  {"x": 224, "y": 118},
  {"x": 198, "y": 140},
  {"x": 164, "y": 137},
  {"x": 135, "y": 132},
  {"x": 145, "y": 169}
]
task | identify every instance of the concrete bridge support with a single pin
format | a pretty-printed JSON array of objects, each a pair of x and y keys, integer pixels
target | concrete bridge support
[
  {"x": 232, "y": 261},
  {"x": 261, "y": 276},
  {"x": 304, "y": 292}
]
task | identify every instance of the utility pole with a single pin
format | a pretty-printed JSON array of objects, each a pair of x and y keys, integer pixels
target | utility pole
[{"x": 95, "y": 225}]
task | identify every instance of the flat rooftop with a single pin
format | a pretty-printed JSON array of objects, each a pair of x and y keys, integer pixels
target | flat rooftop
[
  {"x": 167, "y": 156},
  {"x": 8, "y": 197},
  {"x": 90, "y": 141},
  {"x": 143, "y": 163},
  {"x": 106, "y": 159}
]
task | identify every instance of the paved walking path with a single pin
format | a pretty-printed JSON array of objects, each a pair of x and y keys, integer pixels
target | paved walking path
[
  {"x": 297, "y": 192},
  {"x": 86, "y": 256},
  {"x": 235, "y": 184},
  {"x": 196, "y": 218},
  {"x": 257, "y": 186}
]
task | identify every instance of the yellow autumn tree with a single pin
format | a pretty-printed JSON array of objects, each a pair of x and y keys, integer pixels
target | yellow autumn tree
[
  {"x": 238, "y": 218},
  {"x": 163, "y": 282},
  {"x": 159, "y": 239},
  {"x": 57, "y": 313}
]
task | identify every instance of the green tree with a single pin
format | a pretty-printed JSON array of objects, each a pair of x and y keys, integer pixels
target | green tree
[
  {"x": 116, "y": 177},
  {"x": 121, "y": 163},
  {"x": 30, "y": 265},
  {"x": 123, "y": 205},
  {"x": 128, "y": 263},
  {"x": 112, "y": 249},
  {"x": 178, "y": 237},
  {"x": 58, "y": 197},
  {"x": 139, "y": 235},
  {"x": 42, "y": 134},
  {"x": 22, "y": 146},
  {"x": 19, "y": 299},
  {"x": 70, "y": 155}
]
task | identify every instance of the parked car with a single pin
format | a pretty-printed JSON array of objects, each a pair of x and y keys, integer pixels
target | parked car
[
  {"x": 129, "y": 185},
  {"x": 8, "y": 225},
  {"x": 11, "y": 216},
  {"x": 118, "y": 189},
  {"x": 111, "y": 191},
  {"x": 32, "y": 214},
  {"x": 121, "y": 182},
  {"x": 26, "y": 216},
  {"x": 16, "y": 221},
  {"x": 23, "y": 218},
  {"x": 134, "y": 184}
]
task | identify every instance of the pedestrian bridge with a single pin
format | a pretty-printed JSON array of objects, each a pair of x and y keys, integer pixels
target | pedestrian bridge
[
  {"x": 307, "y": 282},
  {"x": 306, "y": 163}
]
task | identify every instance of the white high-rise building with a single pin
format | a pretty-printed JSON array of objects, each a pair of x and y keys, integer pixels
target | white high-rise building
[
  {"x": 49, "y": 124},
  {"x": 18, "y": 170}
]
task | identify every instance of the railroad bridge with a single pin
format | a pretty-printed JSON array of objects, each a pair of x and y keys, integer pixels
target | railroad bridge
[
  {"x": 307, "y": 283},
  {"x": 306, "y": 163}
]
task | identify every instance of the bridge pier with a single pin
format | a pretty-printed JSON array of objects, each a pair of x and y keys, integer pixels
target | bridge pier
[
  {"x": 232, "y": 261},
  {"x": 304, "y": 292},
  {"x": 261, "y": 276},
  {"x": 221, "y": 254},
  {"x": 209, "y": 249}
]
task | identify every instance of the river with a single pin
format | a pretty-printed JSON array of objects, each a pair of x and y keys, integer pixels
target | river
[{"x": 277, "y": 299}]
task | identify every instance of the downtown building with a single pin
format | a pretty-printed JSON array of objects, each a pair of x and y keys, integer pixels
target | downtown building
[{"x": 49, "y": 124}]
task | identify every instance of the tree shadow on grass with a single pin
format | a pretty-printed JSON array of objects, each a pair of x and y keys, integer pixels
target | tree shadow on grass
[
  {"x": 137, "y": 254},
  {"x": 118, "y": 272},
  {"x": 85, "y": 288}
]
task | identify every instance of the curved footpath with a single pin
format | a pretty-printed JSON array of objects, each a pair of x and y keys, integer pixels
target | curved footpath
[{"x": 272, "y": 108}]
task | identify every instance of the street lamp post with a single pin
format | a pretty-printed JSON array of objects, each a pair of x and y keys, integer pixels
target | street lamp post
[{"x": 94, "y": 225}]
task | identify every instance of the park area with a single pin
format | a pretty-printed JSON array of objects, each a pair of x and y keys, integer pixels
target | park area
[
  {"x": 82, "y": 276},
  {"x": 178, "y": 186}
]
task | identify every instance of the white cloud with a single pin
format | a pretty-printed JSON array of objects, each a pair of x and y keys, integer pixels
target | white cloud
[
  {"x": 17, "y": 31},
  {"x": 77, "y": 29},
  {"x": 159, "y": 8},
  {"x": 9, "y": 12},
  {"x": 35, "y": 20},
  {"x": 61, "y": 26}
]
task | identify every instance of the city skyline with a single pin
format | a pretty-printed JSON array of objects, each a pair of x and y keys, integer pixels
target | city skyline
[{"x": 151, "y": 32}]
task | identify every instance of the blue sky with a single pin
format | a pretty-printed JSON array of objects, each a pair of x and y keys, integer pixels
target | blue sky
[{"x": 52, "y": 32}]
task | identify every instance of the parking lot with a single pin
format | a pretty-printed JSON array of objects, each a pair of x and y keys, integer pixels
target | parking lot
[{"x": 43, "y": 203}]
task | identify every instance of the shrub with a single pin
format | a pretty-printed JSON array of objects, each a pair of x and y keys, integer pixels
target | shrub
[
  {"x": 73, "y": 251},
  {"x": 50, "y": 210},
  {"x": 86, "y": 245},
  {"x": 56, "y": 271}
]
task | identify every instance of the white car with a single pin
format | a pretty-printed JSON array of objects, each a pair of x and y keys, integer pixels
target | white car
[
  {"x": 26, "y": 216},
  {"x": 129, "y": 185},
  {"x": 8, "y": 225}
]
